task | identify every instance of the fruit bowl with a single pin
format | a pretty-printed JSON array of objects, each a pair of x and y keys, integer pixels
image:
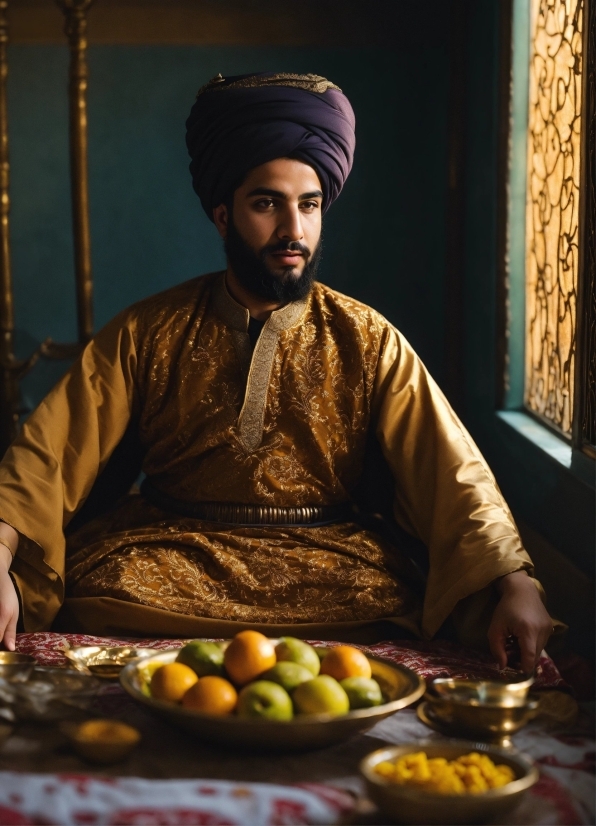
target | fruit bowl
[{"x": 399, "y": 685}]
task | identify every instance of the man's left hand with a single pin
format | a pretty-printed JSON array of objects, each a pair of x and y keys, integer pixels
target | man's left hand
[{"x": 520, "y": 614}]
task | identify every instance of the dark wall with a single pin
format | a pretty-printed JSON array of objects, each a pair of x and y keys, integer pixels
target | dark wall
[{"x": 384, "y": 238}]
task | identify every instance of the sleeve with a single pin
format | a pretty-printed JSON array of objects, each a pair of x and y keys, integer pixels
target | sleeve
[
  {"x": 445, "y": 493},
  {"x": 50, "y": 468}
]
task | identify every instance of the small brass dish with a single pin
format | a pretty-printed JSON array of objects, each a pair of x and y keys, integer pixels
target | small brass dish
[
  {"x": 400, "y": 687},
  {"x": 478, "y": 709},
  {"x": 16, "y": 667},
  {"x": 103, "y": 661},
  {"x": 487, "y": 692},
  {"x": 406, "y": 804},
  {"x": 102, "y": 741}
]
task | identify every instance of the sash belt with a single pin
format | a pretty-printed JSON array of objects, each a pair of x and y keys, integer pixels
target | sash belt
[{"x": 243, "y": 515}]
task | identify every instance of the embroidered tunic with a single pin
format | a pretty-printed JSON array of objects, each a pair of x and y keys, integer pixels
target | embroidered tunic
[{"x": 285, "y": 425}]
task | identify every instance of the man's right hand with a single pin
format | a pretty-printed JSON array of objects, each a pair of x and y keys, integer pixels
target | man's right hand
[{"x": 9, "y": 602}]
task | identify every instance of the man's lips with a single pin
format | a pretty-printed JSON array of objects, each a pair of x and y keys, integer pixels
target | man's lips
[{"x": 287, "y": 257}]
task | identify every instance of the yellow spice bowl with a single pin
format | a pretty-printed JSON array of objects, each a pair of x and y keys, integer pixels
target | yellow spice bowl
[
  {"x": 406, "y": 804},
  {"x": 103, "y": 741}
]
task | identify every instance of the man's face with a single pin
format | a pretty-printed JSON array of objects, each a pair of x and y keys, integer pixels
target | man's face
[{"x": 272, "y": 237}]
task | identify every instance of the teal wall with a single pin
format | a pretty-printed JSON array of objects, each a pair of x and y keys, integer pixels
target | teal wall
[{"x": 384, "y": 238}]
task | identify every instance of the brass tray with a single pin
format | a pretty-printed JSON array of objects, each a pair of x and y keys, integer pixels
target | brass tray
[
  {"x": 103, "y": 661},
  {"x": 401, "y": 685}
]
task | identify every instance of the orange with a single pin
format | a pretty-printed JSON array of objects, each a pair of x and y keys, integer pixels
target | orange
[
  {"x": 345, "y": 661},
  {"x": 247, "y": 656},
  {"x": 211, "y": 694},
  {"x": 172, "y": 681}
]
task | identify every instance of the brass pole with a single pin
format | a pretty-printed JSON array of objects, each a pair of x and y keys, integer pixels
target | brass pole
[
  {"x": 75, "y": 12},
  {"x": 9, "y": 388}
]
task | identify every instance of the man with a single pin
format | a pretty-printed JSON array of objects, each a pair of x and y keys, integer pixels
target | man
[{"x": 257, "y": 396}]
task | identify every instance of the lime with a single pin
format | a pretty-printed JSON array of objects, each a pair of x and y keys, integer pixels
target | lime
[
  {"x": 205, "y": 658},
  {"x": 146, "y": 672},
  {"x": 288, "y": 675},
  {"x": 321, "y": 695},
  {"x": 290, "y": 649},
  {"x": 362, "y": 692},
  {"x": 264, "y": 699}
]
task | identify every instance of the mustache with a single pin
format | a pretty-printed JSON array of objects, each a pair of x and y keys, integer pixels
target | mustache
[{"x": 286, "y": 246}]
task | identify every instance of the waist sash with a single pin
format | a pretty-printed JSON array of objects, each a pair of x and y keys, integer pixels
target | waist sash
[{"x": 230, "y": 513}]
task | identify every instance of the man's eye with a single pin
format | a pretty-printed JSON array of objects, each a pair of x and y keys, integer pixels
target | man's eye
[
  {"x": 264, "y": 203},
  {"x": 309, "y": 206}
]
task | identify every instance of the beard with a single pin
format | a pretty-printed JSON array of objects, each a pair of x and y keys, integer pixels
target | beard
[{"x": 252, "y": 272}]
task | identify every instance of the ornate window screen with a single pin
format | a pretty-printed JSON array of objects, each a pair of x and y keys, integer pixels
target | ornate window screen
[{"x": 552, "y": 210}]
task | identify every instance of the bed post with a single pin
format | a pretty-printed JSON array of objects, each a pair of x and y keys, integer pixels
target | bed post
[
  {"x": 9, "y": 386},
  {"x": 11, "y": 368},
  {"x": 75, "y": 13}
]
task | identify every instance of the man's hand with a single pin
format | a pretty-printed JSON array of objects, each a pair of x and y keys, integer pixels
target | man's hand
[
  {"x": 9, "y": 602},
  {"x": 520, "y": 614}
]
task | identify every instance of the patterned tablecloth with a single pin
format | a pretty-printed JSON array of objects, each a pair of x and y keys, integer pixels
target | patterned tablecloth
[{"x": 173, "y": 778}]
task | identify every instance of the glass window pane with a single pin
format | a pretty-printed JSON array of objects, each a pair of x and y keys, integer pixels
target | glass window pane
[{"x": 552, "y": 216}]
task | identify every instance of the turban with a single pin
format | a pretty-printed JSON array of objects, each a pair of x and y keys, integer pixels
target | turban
[{"x": 238, "y": 123}]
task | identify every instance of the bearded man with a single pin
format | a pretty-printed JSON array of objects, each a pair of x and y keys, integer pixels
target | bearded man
[{"x": 258, "y": 397}]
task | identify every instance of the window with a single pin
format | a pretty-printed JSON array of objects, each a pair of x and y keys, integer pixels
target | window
[
  {"x": 551, "y": 321},
  {"x": 552, "y": 212}
]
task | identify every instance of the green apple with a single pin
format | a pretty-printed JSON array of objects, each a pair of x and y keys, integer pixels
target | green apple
[
  {"x": 204, "y": 658},
  {"x": 288, "y": 675},
  {"x": 321, "y": 695},
  {"x": 362, "y": 693},
  {"x": 289, "y": 649},
  {"x": 264, "y": 699}
]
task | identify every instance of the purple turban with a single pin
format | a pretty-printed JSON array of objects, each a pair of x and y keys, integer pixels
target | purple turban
[{"x": 238, "y": 123}]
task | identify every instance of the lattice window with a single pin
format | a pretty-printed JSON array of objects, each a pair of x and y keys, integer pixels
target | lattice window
[{"x": 552, "y": 217}]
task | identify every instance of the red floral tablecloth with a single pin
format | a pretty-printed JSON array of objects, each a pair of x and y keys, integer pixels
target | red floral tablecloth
[
  {"x": 431, "y": 659},
  {"x": 80, "y": 800}
]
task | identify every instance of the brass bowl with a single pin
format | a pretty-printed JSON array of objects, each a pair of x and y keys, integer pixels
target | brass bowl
[
  {"x": 104, "y": 661},
  {"x": 488, "y": 692},
  {"x": 405, "y": 804},
  {"x": 477, "y": 709},
  {"x": 399, "y": 685},
  {"x": 16, "y": 667}
]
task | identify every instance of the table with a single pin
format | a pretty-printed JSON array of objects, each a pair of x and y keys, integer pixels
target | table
[{"x": 564, "y": 796}]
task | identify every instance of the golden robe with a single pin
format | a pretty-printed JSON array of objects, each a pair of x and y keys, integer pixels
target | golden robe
[{"x": 285, "y": 425}]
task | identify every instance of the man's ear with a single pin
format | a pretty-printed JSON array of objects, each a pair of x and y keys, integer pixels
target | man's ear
[{"x": 220, "y": 219}]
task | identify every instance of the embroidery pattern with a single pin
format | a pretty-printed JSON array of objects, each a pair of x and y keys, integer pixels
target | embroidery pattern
[
  {"x": 252, "y": 415},
  {"x": 308, "y": 82}
]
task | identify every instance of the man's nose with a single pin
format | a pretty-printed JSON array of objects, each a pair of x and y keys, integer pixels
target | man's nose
[{"x": 290, "y": 227}]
